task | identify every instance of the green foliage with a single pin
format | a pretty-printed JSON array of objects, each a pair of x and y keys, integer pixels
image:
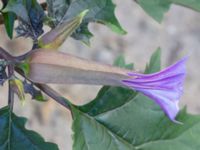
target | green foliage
[
  {"x": 29, "y": 87},
  {"x": 30, "y": 16},
  {"x": 14, "y": 136},
  {"x": 35, "y": 93},
  {"x": 99, "y": 11},
  {"x": 192, "y": 4},
  {"x": 157, "y": 8},
  {"x": 135, "y": 122},
  {"x": 18, "y": 7},
  {"x": 56, "y": 10},
  {"x": 155, "y": 62},
  {"x": 120, "y": 62},
  {"x": 91, "y": 135},
  {"x": 9, "y": 19}
]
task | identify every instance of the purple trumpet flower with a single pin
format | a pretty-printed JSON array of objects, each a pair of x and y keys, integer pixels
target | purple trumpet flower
[{"x": 164, "y": 87}]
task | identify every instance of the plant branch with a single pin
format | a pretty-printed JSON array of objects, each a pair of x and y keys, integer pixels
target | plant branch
[
  {"x": 10, "y": 90},
  {"x": 5, "y": 55},
  {"x": 49, "y": 91},
  {"x": 53, "y": 94},
  {"x": 44, "y": 88}
]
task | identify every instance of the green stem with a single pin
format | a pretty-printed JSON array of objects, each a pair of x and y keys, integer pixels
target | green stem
[
  {"x": 10, "y": 90},
  {"x": 10, "y": 102},
  {"x": 53, "y": 94}
]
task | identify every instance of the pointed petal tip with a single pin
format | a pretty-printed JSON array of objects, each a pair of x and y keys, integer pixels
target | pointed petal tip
[
  {"x": 83, "y": 13},
  {"x": 177, "y": 122}
]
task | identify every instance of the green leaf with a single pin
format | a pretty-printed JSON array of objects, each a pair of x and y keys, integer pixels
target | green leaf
[
  {"x": 18, "y": 7},
  {"x": 157, "y": 8},
  {"x": 56, "y": 10},
  {"x": 14, "y": 135},
  {"x": 135, "y": 122},
  {"x": 9, "y": 19},
  {"x": 30, "y": 15},
  {"x": 91, "y": 135},
  {"x": 99, "y": 11},
  {"x": 139, "y": 123},
  {"x": 192, "y": 4},
  {"x": 120, "y": 62},
  {"x": 83, "y": 34},
  {"x": 155, "y": 62},
  {"x": 25, "y": 67},
  {"x": 107, "y": 99}
]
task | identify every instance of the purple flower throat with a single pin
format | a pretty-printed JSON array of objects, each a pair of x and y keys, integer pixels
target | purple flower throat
[{"x": 164, "y": 87}]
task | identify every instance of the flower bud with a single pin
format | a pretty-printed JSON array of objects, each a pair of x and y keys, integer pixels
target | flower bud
[{"x": 55, "y": 38}]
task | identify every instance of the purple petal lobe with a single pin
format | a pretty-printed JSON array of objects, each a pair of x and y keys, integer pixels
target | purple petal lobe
[{"x": 164, "y": 87}]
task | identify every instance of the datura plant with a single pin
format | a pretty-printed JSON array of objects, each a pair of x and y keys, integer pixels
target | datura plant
[{"x": 133, "y": 110}]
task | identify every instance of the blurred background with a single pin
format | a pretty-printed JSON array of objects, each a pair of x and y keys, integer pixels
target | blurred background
[{"x": 178, "y": 35}]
